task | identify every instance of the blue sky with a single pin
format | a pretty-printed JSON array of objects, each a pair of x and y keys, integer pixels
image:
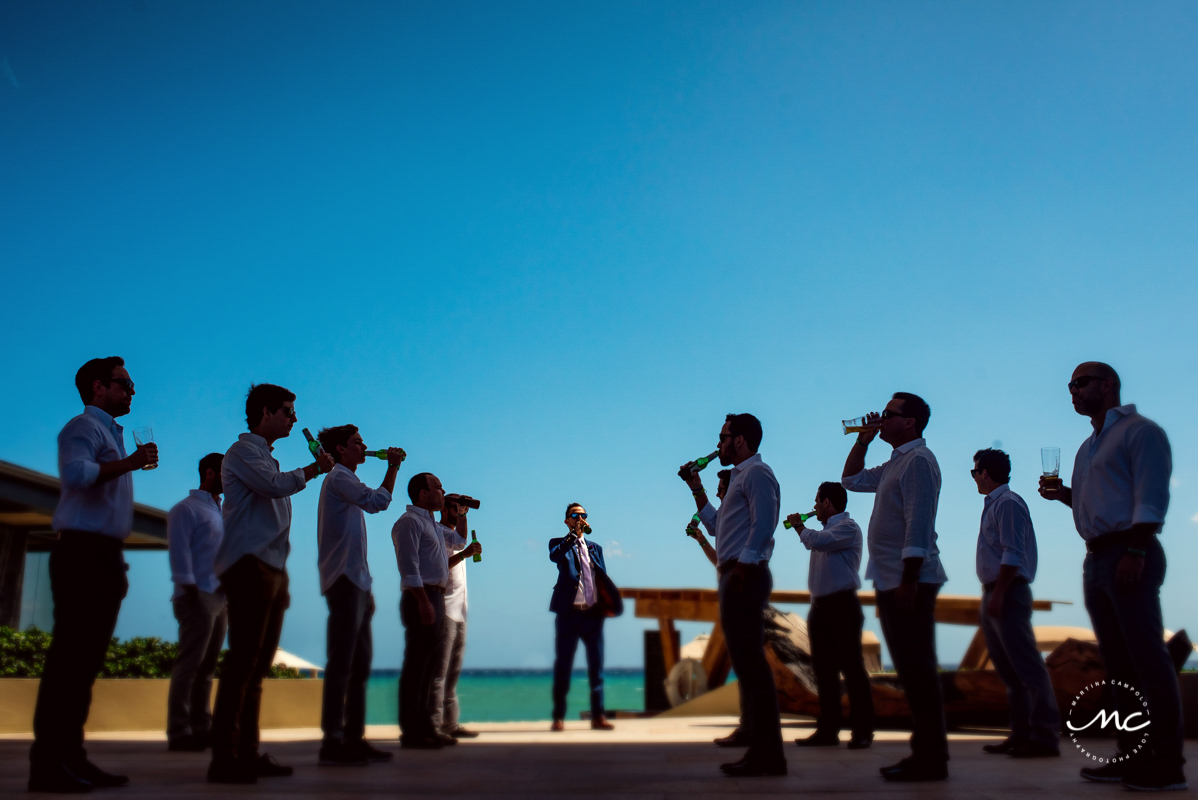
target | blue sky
[{"x": 545, "y": 248}]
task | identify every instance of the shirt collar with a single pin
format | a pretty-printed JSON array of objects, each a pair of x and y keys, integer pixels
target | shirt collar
[
  {"x": 204, "y": 494},
  {"x": 254, "y": 438},
  {"x": 748, "y": 462},
  {"x": 908, "y": 447},
  {"x": 1113, "y": 415},
  {"x": 420, "y": 512},
  {"x": 836, "y": 519},
  {"x": 103, "y": 416},
  {"x": 999, "y": 492}
]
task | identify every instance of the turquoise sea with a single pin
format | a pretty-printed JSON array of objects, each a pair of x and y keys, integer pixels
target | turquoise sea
[{"x": 511, "y": 695}]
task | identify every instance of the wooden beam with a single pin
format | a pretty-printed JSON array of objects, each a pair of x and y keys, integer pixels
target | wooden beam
[
  {"x": 669, "y": 653},
  {"x": 976, "y": 654},
  {"x": 716, "y": 660},
  {"x": 691, "y": 610}
]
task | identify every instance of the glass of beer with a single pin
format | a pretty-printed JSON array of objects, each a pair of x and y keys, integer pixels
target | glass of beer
[
  {"x": 1050, "y": 460},
  {"x": 144, "y": 435},
  {"x": 856, "y": 425}
]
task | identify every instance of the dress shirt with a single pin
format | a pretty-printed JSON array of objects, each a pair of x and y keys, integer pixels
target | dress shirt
[
  {"x": 1006, "y": 536},
  {"x": 257, "y": 504},
  {"x": 586, "y": 575},
  {"x": 194, "y": 528},
  {"x": 420, "y": 550},
  {"x": 835, "y": 555},
  {"x": 903, "y": 524},
  {"x": 341, "y": 527},
  {"x": 747, "y": 517},
  {"x": 87, "y": 441},
  {"x": 1121, "y": 475},
  {"x": 455, "y": 589}
]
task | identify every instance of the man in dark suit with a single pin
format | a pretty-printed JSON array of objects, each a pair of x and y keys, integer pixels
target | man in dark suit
[{"x": 582, "y": 599}]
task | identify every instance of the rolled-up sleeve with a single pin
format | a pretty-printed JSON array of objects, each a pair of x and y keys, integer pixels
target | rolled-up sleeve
[
  {"x": 180, "y": 524},
  {"x": 354, "y": 492},
  {"x": 761, "y": 496},
  {"x": 918, "y": 486},
  {"x": 77, "y": 465},
  {"x": 708, "y": 517},
  {"x": 1151, "y": 467},
  {"x": 406, "y": 538},
  {"x": 1014, "y": 526},
  {"x": 866, "y": 480},
  {"x": 829, "y": 540},
  {"x": 260, "y": 473}
]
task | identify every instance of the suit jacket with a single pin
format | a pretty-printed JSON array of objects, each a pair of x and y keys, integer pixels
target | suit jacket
[{"x": 568, "y": 576}]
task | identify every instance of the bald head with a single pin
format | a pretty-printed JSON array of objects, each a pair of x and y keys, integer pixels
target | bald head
[
  {"x": 1094, "y": 390},
  {"x": 1099, "y": 370}
]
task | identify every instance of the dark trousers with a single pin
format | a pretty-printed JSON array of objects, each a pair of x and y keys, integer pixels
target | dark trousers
[
  {"x": 571, "y": 626},
  {"x": 1017, "y": 660},
  {"x": 834, "y": 630},
  {"x": 87, "y": 581},
  {"x": 257, "y": 598},
  {"x": 419, "y": 664},
  {"x": 911, "y": 639},
  {"x": 742, "y": 616},
  {"x": 202, "y": 625},
  {"x": 1131, "y": 638},
  {"x": 349, "y": 649}
]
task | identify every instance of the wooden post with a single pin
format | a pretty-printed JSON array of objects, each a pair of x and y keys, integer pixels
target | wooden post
[
  {"x": 976, "y": 655},
  {"x": 12, "y": 574},
  {"x": 716, "y": 661},
  {"x": 669, "y": 653}
]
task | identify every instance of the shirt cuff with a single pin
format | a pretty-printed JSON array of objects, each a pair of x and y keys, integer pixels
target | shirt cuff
[
  {"x": 1011, "y": 559},
  {"x": 91, "y": 472},
  {"x": 804, "y": 535},
  {"x": 914, "y": 552},
  {"x": 299, "y": 473},
  {"x": 1145, "y": 514},
  {"x": 181, "y": 579},
  {"x": 411, "y": 582},
  {"x": 707, "y": 516}
]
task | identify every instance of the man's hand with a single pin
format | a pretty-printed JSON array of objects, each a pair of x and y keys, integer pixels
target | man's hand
[
  {"x": 994, "y": 605},
  {"x": 1129, "y": 571},
  {"x": 428, "y": 614},
  {"x": 145, "y": 455},
  {"x": 473, "y": 549},
  {"x": 796, "y": 522},
  {"x": 395, "y": 456},
  {"x": 325, "y": 463},
  {"x": 1056, "y": 490},
  {"x": 904, "y": 595},
  {"x": 690, "y": 478},
  {"x": 874, "y": 421}
]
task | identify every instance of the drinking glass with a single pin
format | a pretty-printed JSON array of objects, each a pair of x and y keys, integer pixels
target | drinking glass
[
  {"x": 144, "y": 435},
  {"x": 856, "y": 425},
  {"x": 1050, "y": 460}
]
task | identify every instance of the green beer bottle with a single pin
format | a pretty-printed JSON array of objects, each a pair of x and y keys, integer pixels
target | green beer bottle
[
  {"x": 313, "y": 445},
  {"x": 700, "y": 463},
  {"x": 693, "y": 525},
  {"x": 802, "y": 518},
  {"x": 474, "y": 538},
  {"x": 381, "y": 455}
]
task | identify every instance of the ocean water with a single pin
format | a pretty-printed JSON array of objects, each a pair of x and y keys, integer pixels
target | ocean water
[{"x": 511, "y": 695}]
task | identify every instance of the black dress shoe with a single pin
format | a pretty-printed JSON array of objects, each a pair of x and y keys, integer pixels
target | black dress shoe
[
  {"x": 1034, "y": 750},
  {"x": 58, "y": 779},
  {"x": 754, "y": 768},
  {"x": 371, "y": 752},
  {"x": 265, "y": 766},
  {"x": 420, "y": 743},
  {"x": 231, "y": 770},
  {"x": 734, "y": 739},
  {"x": 1114, "y": 772},
  {"x": 96, "y": 776},
  {"x": 861, "y": 742},
  {"x": 912, "y": 771},
  {"x": 1002, "y": 748},
  {"x": 818, "y": 739}
]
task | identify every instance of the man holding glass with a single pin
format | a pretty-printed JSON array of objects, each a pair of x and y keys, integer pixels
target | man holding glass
[
  {"x": 87, "y": 574},
  {"x": 904, "y": 564},
  {"x": 1119, "y": 497}
]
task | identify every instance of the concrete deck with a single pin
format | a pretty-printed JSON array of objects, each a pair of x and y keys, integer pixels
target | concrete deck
[{"x": 650, "y": 758}]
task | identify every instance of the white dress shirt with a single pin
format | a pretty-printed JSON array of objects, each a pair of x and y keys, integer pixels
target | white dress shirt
[
  {"x": 1121, "y": 475},
  {"x": 194, "y": 529},
  {"x": 455, "y": 588},
  {"x": 257, "y": 504},
  {"x": 835, "y": 555},
  {"x": 341, "y": 527},
  {"x": 420, "y": 550},
  {"x": 1006, "y": 536},
  {"x": 585, "y": 596},
  {"x": 87, "y": 441},
  {"x": 747, "y": 517},
  {"x": 903, "y": 524}
]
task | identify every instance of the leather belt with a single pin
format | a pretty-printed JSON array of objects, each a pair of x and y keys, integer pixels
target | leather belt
[
  {"x": 1109, "y": 540},
  {"x": 431, "y": 587},
  {"x": 728, "y": 566},
  {"x": 989, "y": 587}
]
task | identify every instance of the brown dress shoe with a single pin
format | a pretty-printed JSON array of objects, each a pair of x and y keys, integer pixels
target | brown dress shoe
[
  {"x": 557, "y": 726},
  {"x": 600, "y": 723}
]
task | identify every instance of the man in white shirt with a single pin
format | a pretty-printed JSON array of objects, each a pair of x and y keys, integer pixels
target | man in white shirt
[
  {"x": 1006, "y": 565},
  {"x": 835, "y": 620},
  {"x": 904, "y": 564},
  {"x": 423, "y": 577},
  {"x": 451, "y": 647},
  {"x": 194, "y": 529},
  {"x": 744, "y": 525},
  {"x": 345, "y": 583},
  {"x": 251, "y": 566},
  {"x": 1119, "y": 497},
  {"x": 87, "y": 574}
]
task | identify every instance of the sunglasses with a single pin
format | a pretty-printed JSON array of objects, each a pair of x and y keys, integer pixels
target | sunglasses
[
  {"x": 576, "y": 515},
  {"x": 888, "y": 414},
  {"x": 289, "y": 413},
  {"x": 975, "y": 472},
  {"x": 1082, "y": 381},
  {"x": 124, "y": 382}
]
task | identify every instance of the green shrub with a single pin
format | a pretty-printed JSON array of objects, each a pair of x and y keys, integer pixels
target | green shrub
[{"x": 23, "y": 655}]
